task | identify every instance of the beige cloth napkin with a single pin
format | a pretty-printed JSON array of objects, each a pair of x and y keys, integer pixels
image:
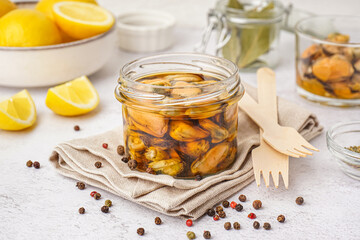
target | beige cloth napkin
[{"x": 162, "y": 193}]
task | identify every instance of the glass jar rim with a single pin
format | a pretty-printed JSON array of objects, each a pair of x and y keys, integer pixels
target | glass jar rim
[{"x": 300, "y": 31}]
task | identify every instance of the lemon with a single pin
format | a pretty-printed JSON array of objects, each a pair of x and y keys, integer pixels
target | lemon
[
  {"x": 73, "y": 98},
  {"x": 27, "y": 28},
  {"x": 17, "y": 112},
  {"x": 82, "y": 20},
  {"x": 6, "y": 6},
  {"x": 46, "y": 6}
]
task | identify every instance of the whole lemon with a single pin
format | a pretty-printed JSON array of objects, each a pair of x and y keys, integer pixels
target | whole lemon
[
  {"x": 6, "y": 6},
  {"x": 46, "y": 6},
  {"x": 27, "y": 28}
]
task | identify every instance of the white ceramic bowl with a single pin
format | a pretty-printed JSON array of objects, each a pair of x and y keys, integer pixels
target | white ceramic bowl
[{"x": 54, "y": 64}]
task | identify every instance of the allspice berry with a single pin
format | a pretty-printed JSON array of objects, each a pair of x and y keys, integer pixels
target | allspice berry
[
  {"x": 190, "y": 235},
  {"x": 29, "y": 163},
  {"x": 132, "y": 164},
  {"x": 257, "y": 204},
  {"x": 267, "y": 226},
  {"x": 222, "y": 214},
  {"x": 299, "y": 200},
  {"x": 98, "y": 164},
  {"x": 36, "y": 165},
  {"x": 158, "y": 221},
  {"x": 81, "y": 210},
  {"x": 225, "y": 204},
  {"x": 207, "y": 235},
  {"x": 108, "y": 203},
  {"x": 80, "y": 185},
  {"x": 210, "y": 212},
  {"x": 120, "y": 150},
  {"x": 140, "y": 231},
  {"x": 219, "y": 209},
  {"x": 76, "y": 128},
  {"x": 97, "y": 196},
  {"x": 256, "y": 225},
  {"x": 281, "y": 218},
  {"x": 105, "y": 209},
  {"x": 242, "y": 198},
  {"x": 227, "y": 225},
  {"x": 236, "y": 225}
]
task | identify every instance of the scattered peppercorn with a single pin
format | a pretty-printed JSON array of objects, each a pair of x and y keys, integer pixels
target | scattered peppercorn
[
  {"x": 219, "y": 208},
  {"x": 76, "y": 128},
  {"x": 198, "y": 177},
  {"x": 81, "y": 210},
  {"x": 222, "y": 214},
  {"x": 29, "y": 163},
  {"x": 98, "y": 164},
  {"x": 227, "y": 225},
  {"x": 236, "y": 225},
  {"x": 252, "y": 216},
  {"x": 158, "y": 221},
  {"x": 242, "y": 198},
  {"x": 233, "y": 205},
  {"x": 132, "y": 164},
  {"x": 105, "y": 209},
  {"x": 140, "y": 231},
  {"x": 80, "y": 185},
  {"x": 189, "y": 222},
  {"x": 97, "y": 196},
  {"x": 120, "y": 150},
  {"x": 354, "y": 149},
  {"x": 239, "y": 207},
  {"x": 190, "y": 235},
  {"x": 108, "y": 203},
  {"x": 256, "y": 225},
  {"x": 105, "y": 145},
  {"x": 299, "y": 200},
  {"x": 150, "y": 170},
  {"x": 267, "y": 226},
  {"x": 210, "y": 212},
  {"x": 225, "y": 204},
  {"x": 207, "y": 235},
  {"x": 36, "y": 165},
  {"x": 257, "y": 204},
  {"x": 281, "y": 218},
  {"x": 125, "y": 159},
  {"x": 93, "y": 193},
  {"x": 216, "y": 217}
]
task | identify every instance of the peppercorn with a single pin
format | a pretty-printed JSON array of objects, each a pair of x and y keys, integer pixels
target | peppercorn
[
  {"x": 239, "y": 207},
  {"x": 198, "y": 177},
  {"x": 257, "y": 204},
  {"x": 256, "y": 225},
  {"x": 189, "y": 222},
  {"x": 93, "y": 193},
  {"x": 132, "y": 164},
  {"x": 281, "y": 218},
  {"x": 236, "y": 225},
  {"x": 108, "y": 203},
  {"x": 222, "y": 214},
  {"x": 125, "y": 159},
  {"x": 242, "y": 198},
  {"x": 219, "y": 208},
  {"x": 299, "y": 200},
  {"x": 210, "y": 212},
  {"x": 76, "y": 128},
  {"x": 252, "y": 216},
  {"x": 225, "y": 204},
  {"x": 158, "y": 221},
  {"x": 227, "y": 225},
  {"x": 81, "y": 210},
  {"x": 150, "y": 170},
  {"x": 80, "y": 185},
  {"x": 36, "y": 165},
  {"x": 29, "y": 163},
  {"x": 140, "y": 231},
  {"x": 98, "y": 164},
  {"x": 207, "y": 235},
  {"x": 105, "y": 145},
  {"x": 105, "y": 209},
  {"x": 97, "y": 196},
  {"x": 120, "y": 150},
  {"x": 267, "y": 226},
  {"x": 190, "y": 235},
  {"x": 216, "y": 217},
  {"x": 233, "y": 205}
]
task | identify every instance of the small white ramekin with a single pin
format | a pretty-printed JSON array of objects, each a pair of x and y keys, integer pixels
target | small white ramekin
[{"x": 145, "y": 31}]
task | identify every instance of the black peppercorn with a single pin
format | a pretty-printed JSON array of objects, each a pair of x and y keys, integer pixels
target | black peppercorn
[
  {"x": 198, "y": 177},
  {"x": 125, "y": 159},
  {"x": 36, "y": 165},
  {"x": 236, "y": 225},
  {"x": 140, "y": 231},
  {"x": 222, "y": 214},
  {"x": 158, "y": 221},
  {"x": 120, "y": 150},
  {"x": 105, "y": 209},
  {"x": 227, "y": 225},
  {"x": 257, "y": 204},
  {"x": 281, "y": 218},
  {"x": 132, "y": 164},
  {"x": 242, "y": 198},
  {"x": 97, "y": 196},
  {"x": 210, "y": 212},
  {"x": 225, "y": 204},
  {"x": 80, "y": 185},
  {"x": 98, "y": 164},
  {"x": 81, "y": 210},
  {"x": 267, "y": 226},
  {"x": 239, "y": 207},
  {"x": 76, "y": 128},
  {"x": 256, "y": 225},
  {"x": 207, "y": 235},
  {"x": 299, "y": 200},
  {"x": 219, "y": 208},
  {"x": 29, "y": 163}
]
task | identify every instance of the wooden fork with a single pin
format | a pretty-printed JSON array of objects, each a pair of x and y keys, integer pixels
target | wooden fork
[{"x": 266, "y": 159}]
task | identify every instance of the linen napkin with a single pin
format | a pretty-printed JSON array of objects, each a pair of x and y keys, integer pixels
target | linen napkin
[{"x": 163, "y": 193}]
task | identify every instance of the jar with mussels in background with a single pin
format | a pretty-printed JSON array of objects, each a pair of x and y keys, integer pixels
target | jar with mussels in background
[
  {"x": 328, "y": 59},
  {"x": 180, "y": 113}
]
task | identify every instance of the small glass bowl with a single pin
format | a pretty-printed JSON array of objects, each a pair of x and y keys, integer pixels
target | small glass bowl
[{"x": 338, "y": 138}]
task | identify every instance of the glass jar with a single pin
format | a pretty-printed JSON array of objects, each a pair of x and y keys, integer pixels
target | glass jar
[
  {"x": 328, "y": 59},
  {"x": 248, "y": 32},
  {"x": 180, "y": 113}
]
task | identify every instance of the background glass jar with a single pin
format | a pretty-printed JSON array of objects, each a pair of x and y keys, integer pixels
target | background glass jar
[
  {"x": 180, "y": 113},
  {"x": 328, "y": 59}
]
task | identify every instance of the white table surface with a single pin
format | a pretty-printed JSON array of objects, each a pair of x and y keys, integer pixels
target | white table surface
[{"x": 41, "y": 204}]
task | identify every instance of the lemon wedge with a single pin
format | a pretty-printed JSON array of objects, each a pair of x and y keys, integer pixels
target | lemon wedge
[
  {"x": 73, "y": 98},
  {"x": 82, "y": 20},
  {"x": 17, "y": 112},
  {"x": 6, "y": 6}
]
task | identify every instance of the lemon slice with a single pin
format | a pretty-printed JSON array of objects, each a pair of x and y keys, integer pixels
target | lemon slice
[
  {"x": 82, "y": 20},
  {"x": 73, "y": 98},
  {"x": 17, "y": 112}
]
